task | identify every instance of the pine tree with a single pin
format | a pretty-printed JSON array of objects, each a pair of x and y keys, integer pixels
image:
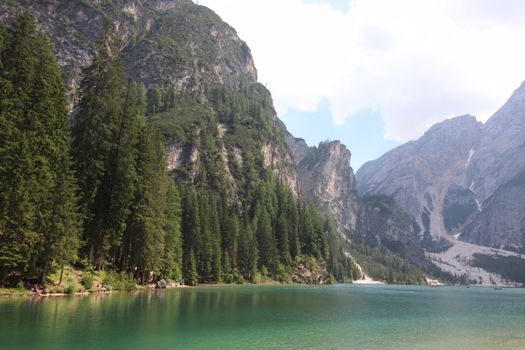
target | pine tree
[
  {"x": 215, "y": 239},
  {"x": 230, "y": 235},
  {"x": 172, "y": 267},
  {"x": 18, "y": 238},
  {"x": 282, "y": 232},
  {"x": 148, "y": 218},
  {"x": 204, "y": 244},
  {"x": 105, "y": 134},
  {"x": 38, "y": 204},
  {"x": 122, "y": 168},
  {"x": 253, "y": 257},
  {"x": 191, "y": 228},
  {"x": 243, "y": 254},
  {"x": 265, "y": 242},
  {"x": 191, "y": 276},
  {"x": 154, "y": 101},
  {"x": 293, "y": 219}
]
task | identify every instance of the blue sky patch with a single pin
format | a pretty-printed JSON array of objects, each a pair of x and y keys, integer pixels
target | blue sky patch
[{"x": 362, "y": 134}]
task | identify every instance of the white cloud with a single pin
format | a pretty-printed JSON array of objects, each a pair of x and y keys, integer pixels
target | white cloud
[{"x": 417, "y": 62}]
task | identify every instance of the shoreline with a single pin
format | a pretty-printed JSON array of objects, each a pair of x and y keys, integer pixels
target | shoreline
[
  {"x": 29, "y": 294},
  {"x": 19, "y": 293}
]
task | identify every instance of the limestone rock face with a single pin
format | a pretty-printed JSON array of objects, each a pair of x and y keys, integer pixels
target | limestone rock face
[
  {"x": 501, "y": 224},
  {"x": 326, "y": 177},
  {"x": 162, "y": 41},
  {"x": 497, "y": 177},
  {"x": 419, "y": 174},
  {"x": 383, "y": 223},
  {"x": 461, "y": 179},
  {"x": 165, "y": 43}
]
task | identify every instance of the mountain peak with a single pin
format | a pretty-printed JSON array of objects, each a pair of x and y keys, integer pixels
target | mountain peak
[{"x": 452, "y": 126}]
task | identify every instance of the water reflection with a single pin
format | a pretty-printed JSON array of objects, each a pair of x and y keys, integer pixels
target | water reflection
[{"x": 297, "y": 317}]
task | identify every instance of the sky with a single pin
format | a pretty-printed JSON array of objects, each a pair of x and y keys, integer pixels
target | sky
[{"x": 377, "y": 73}]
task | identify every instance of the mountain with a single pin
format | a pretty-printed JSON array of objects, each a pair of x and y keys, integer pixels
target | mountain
[
  {"x": 461, "y": 180},
  {"x": 383, "y": 223},
  {"x": 162, "y": 41},
  {"x": 238, "y": 169},
  {"x": 175, "y": 76},
  {"x": 379, "y": 236},
  {"x": 497, "y": 178},
  {"x": 422, "y": 175},
  {"x": 326, "y": 178}
]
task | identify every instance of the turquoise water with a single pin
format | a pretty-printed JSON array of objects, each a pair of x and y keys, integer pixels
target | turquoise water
[{"x": 270, "y": 317}]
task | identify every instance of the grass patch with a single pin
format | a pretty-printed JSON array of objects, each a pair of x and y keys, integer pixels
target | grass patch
[
  {"x": 70, "y": 281},
  {"x": 4, "y": 292},
  {"x": 118, "y": 281}
]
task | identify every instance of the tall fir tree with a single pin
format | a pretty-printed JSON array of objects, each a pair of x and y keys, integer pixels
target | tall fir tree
[
  {"x": 148, "y": 217},
  {"x": 38, "y": 206},
  {"x": 105, "y": 135},
  {"x": 172, "y": 264}
]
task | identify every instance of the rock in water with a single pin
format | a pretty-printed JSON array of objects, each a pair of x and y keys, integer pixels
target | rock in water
[{"x": 161, "y": 284}]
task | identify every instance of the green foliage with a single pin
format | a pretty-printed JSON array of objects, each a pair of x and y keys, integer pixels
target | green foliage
[
  {"x": 272, "y": 226},
  {"x": 382, "y": 265},
  {"x": 340, "y": 267},
  {"x": 229, "y": 217},
  {"x": 87, "y": 280},
  {"x": 191, "y": 276},
  {"x": 106, "y": 135},
  {"x": 172, "y": 264},
  {"x": 119, "y": 281},
  {"x": 38, "y": 218},
  {"x": 510, "y": 267},
  {"x": 70, "y": 289}
]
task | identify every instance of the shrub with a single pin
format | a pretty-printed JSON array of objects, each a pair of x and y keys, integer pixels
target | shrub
[
  {"x": 119, "y": 281},
  {"x": 87, "y": 280}
]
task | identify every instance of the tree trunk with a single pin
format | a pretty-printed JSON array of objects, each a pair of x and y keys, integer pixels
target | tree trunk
[
  {"x": 61, "y": 275},
  {"x": 91, "y": 255},
  {"x": 43, "y": 276}
]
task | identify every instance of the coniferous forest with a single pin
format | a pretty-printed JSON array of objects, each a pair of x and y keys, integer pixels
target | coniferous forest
[{"x": 86, "y": 184}]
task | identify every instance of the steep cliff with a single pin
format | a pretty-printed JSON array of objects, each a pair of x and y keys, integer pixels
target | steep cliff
[
  {"x": 462, "y": 181},
  {"x": 184, "y": 55},
  {"x": 242, "y": 211},
  {"x": 423, "y": 175},
  {"x": 162, "y": 41},
  {"x": 383, "y": 223},
  {"x": 379, "y": 235},
  {"x": 326, "y": 177},
  {"x": 496, "y": 175},
  {"x": 461, "y": 178}
]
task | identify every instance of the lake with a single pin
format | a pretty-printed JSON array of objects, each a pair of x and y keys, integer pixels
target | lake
[{"x": 270, "y": 317}]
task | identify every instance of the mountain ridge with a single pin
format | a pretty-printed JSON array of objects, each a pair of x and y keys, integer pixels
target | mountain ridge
[{"x": 461, "y": 180}]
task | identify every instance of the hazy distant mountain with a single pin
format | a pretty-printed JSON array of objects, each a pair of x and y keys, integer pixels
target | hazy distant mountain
[
  {"x": 461, "y": 178},
  {"x": 422, "y": 175},
  {"x": 497, "y": 178}
]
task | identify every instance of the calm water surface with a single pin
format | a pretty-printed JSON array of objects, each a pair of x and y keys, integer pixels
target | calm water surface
[{"x": 271, "y": 317}]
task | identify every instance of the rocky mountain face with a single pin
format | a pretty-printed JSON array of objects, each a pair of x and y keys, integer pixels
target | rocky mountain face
[
  {"x": 162, "y": 41},
  {"x": 461, "y": 178},
  {"x": 326, "y": 177},
  {"x": 227, "y": 130},
  {"x": 383, "y": 223},
  {"x": 424, "y": 175},
  {"x": 497, "y": 178},
  {"x": 377, "y": 231},
  {"x": 174, "y": 45}
]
